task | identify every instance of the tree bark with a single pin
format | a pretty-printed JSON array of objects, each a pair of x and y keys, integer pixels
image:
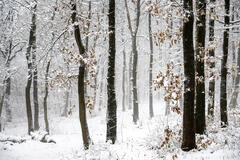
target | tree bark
[
  {"x": 188, "y": 141},
  {"x": 130, "y": 104},
  {"x": 223, "y": 84},
  {"x": 233, "y": 102},
  {"x": 123, "y": 80},
  {"x": 35, "y": 76},
  {"x": 45, "y": 98},
  {"x": 151, "y": 114},
  {"x": 200, "y": 76},
  {"x": 211, "y": 101},
  {"x": 30, "y": 68},
  {"x": 135, "y": 57},
  {"x": 112, "y": 106},
  {"x": 81, "y": 98}
]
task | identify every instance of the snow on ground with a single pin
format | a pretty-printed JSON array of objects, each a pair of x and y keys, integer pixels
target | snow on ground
[{"x": 135, "y": 142}]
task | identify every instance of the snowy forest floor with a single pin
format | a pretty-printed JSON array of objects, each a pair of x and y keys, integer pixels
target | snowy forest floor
[{"x": 150, "y": 139}]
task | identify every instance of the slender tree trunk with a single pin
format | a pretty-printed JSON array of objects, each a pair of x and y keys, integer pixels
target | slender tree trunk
[
  {"x": 30, "y": 69},
  {"x": 87, "y": 45},
  {"x": 6, "y": 100},
  {"x": 45, "y": 98},
  {"x": 101, "y": 90},
  {"x": 123, "y": 80},
  {"x": 35, "y": 78},
  {"x": 188, "y": 141},
  {"x": 1, "y": 107},
  {"x": 134, "y": 81},
  {"x": 223, "y": 85},
  {"x": 233, "y": 102},
  {"x": 81, "y": 97},
  {"x": 150, "y": 66},
  {"x": 233, "y": 50},
  {"x": 211, "y": 99},
  {"x": 200, "y": 56},
  {"x": 112, "y": 106},
  {"x": 130, "y": 104}
]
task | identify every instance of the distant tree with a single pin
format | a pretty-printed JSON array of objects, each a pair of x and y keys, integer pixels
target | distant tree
[
  {"x": 111, "y": 106},
  {"x": 223, "y": 84},
  {"x": 133, "y": 33},
  {"x": 233, "y": 101},
  {"x": 188, "y": 141},
  {"x": 151, "y": 114},
  {"x": 200, "y": 59}
]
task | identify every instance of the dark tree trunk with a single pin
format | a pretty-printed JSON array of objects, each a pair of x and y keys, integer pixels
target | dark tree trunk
[
  {"x": 82, "y": 107},
  {"x": 223, "y": 85},
  {"x": 188, "y": 141},
  {"x": 150, "y": 66},
  {"x": 112, "y": 106},
  {"x": 35, "y": 78},
  {"x": 1, "y": 107},
  {"x": 134, "y": 81},
  {"x": 30, "y": 69},
  {"x": 233, "y": 102},
  {"x": 200, "y": 76},
  {"x": 101, "y": 90},
  {"x": 123, "y": 80},
  {"x": 211, "y": 98},
  {"x": 45, "y": 98}
]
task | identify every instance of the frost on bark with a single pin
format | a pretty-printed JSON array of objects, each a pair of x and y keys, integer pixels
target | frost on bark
[
  {"x": 223, "y": 84},
  {"x": 200, "y": 76},
  {"x": 81, "y": 98},
  {"x": 150, "y": 66},
  {"x": 188, "y": 141},
  {"x": 45, "y": 98},
  {"x": 211, "y": 99},
  {"x": 111, "y": 106},
  {"x": 233, "y": 102},
  {"x": 31, "y": 41}
]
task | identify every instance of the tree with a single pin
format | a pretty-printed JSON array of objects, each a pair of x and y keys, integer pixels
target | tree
[
  {"x": 45, "y": 98},
  {"x": 188, "y": 141},
  {"x": 223, "y": 84},
  {"x": 35, "y": 79},
  {"x": 135, "y": 56},
  {"x": 81, "y": 98},
  {"x": 150, "y": 66},
  {"x": 211, "y": 100},
  {"x": 200, "y": 76},
  {"x": 30, "y": 48},
  {"x": 111, "y": 106},
  {"x": 233, "y": 101}
]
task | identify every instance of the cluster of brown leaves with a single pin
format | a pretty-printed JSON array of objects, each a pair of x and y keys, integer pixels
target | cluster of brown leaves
[
  {"x": 203, "y": 143},
  {"x": 171, "y": 83}
]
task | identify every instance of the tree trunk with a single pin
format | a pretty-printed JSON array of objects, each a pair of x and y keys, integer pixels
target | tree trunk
[
  {"x": 1, "y": 107},
  {"x": 200, "y": 56},
  {"x": 81, "y": 97},
  {"x": 223, "y": 85},
  {"x": 45, "y": 99},
  {"x": 7, "y": 84},
  {"x": 150, "y": 66},
  {"x": 112, "y": 106},
  {"x": 211, "y": 101},
  {"x": 35, "y": 78},
  {"x": 29, "y": 64},
  {"x": 123, "y": 80},
  {"x": 188, "y": 141},
  {"x": 130, "y": 104},
  {"x": 134, "y": 81},
  {"x": 233, "y": 102}
]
